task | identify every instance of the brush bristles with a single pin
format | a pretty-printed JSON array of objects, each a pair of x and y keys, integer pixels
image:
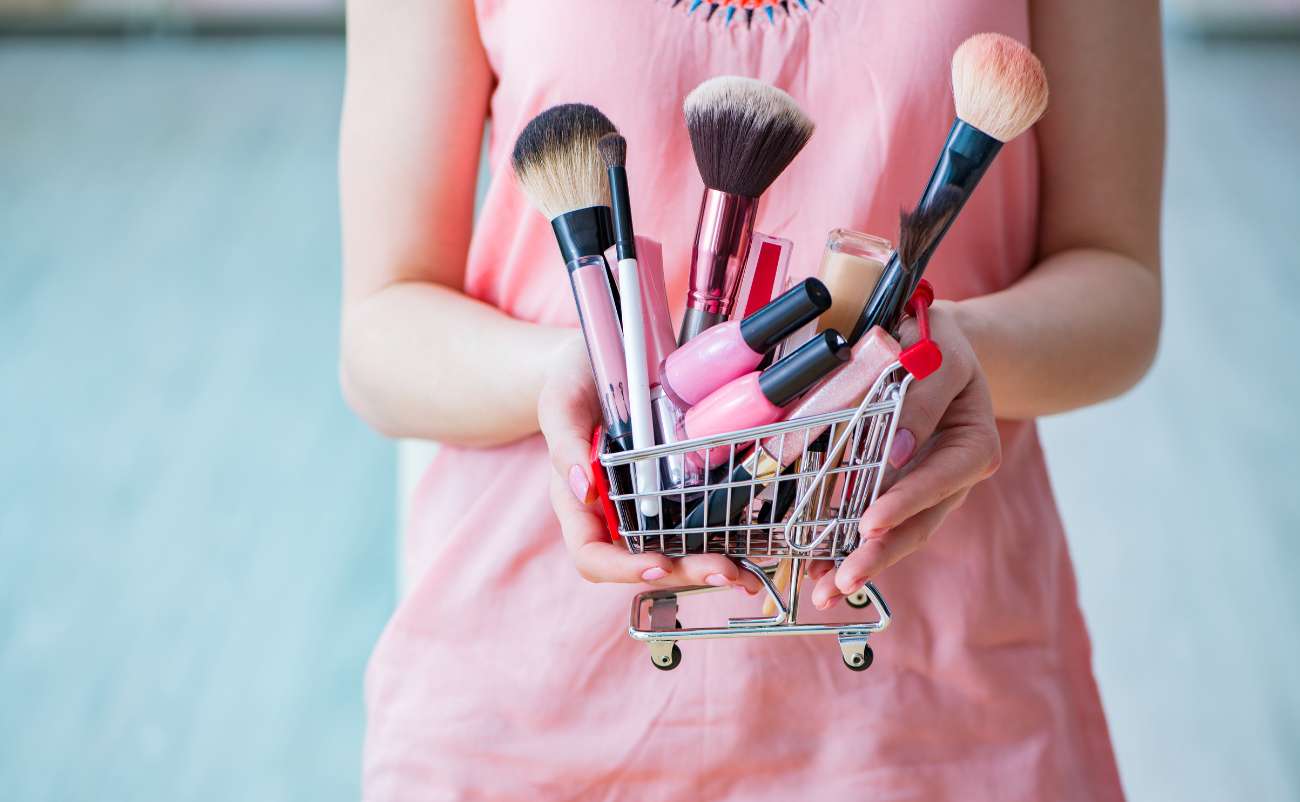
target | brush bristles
[
  {"x": 998, "y": 85},
  {"x": 744, "y": 133},
  {"x": 613, "y": 149},
  {"x": 557, "y": 162},
  {"x": 919, "y": 229}
]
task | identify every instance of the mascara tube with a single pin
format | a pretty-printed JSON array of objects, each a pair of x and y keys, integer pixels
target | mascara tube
[{"x": 598, "y": 313}]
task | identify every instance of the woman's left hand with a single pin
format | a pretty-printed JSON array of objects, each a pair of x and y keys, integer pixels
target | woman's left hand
[{"x": 946, "y": 443}]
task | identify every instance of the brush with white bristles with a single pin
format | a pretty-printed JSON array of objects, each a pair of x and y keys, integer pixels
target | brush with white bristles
[
  {"x": 1000, "y": 90},
  {"x": 744, "y": 133}
]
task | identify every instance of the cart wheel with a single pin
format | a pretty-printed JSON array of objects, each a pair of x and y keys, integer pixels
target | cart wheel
[
  {"x": 859, "y": 600},
  {"x": 678, "y": 624},
  {"x": 866, "y": 658},
  {"x": 673, "y": 660}
]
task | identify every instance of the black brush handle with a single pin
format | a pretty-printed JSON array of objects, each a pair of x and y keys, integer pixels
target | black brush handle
[
  {"x": 884, "y": 299},
  {"x": 624, "y": 238},
  {"x": 965, "y": 158}
]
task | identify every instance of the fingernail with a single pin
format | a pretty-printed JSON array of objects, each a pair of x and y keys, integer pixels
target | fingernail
[
  {"x": 901, "y": 451},
  {"x": 579, "y": 485},
  {"x": 651, "y": 574},
  {"x": 717, "y": 580}
]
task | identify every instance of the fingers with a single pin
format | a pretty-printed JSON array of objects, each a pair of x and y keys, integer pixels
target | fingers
[
  {"x": 961, "y": 455},
  {"x": 825, "y": 592},
  {"x": 715, "y": 570},
  {"x": 880, "y": 550},
  {"x": 595, "y": 557}
]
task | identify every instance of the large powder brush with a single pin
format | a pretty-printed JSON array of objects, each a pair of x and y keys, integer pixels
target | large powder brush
[
  {"x": 999, "y": 89},
  {"x": 744, "y": 133},
  {"x": 559, "y": 167},
  {"x": 558, "y": 164}
]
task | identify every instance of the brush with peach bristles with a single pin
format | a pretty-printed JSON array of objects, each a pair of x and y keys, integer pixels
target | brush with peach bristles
[
  {"x": 1000, "y": 90},
  {"x": 998, "y": 85}
]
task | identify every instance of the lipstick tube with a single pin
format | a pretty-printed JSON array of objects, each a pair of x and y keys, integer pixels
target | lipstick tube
[
  {"x": 764, "y": 275},
  {"x": 757, "y": 399},
  {"x": 722, "y": 236},
  {"x": 732, "y": 349}
]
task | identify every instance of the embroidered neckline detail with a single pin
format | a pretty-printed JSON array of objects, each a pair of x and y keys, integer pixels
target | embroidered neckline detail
[{"x": 745, "y": 11}]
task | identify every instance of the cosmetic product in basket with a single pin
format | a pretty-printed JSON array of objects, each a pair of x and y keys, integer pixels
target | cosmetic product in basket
[
  {"x": 744, "y": 133},
  {"x": 669, "y": 418},
  {"x": 765, "y": 273},
  {"x": 1000, "y": 90},
  {"x": 557, "y": 164},
  {"x": 613, "y": 150},
  {"x": 851, "y": 265},
  {"x": 844, "y": 389},
  {"x": 759, "y": 398},
  {"x": 732, "y": 349}
]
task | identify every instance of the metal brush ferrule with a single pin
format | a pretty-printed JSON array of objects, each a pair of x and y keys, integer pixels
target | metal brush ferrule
[{"x": 722, "y": 237}]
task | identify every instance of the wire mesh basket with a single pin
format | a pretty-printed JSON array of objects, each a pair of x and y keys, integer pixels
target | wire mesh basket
[
  {"x": 794, "y": 490},
  {"x": 797, "y": 488}
]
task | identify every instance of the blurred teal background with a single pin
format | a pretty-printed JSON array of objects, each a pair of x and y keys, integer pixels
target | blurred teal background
[{"x": 197, "y": 538}]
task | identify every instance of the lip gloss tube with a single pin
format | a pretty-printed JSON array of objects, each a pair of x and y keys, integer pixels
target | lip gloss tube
[
  {"x": 756, "y": 399},
  {"x": 589, "y": 276},
  {"x": 732, "y": 349}
]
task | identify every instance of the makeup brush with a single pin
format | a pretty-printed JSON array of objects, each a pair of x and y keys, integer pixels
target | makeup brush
[
  {"x": 744, "y": 134},
  {"x": 613, "y": 151},
  {"x": 558, "y": 164},
  {"x": 1000, "y": 90}
]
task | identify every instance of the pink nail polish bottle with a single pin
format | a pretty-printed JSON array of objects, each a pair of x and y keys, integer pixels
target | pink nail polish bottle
[
  {"x": 757, "y": 399},
  {"x": 732, "y": 349}
]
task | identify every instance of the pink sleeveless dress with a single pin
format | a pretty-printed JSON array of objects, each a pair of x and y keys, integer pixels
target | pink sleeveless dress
[{"x": 504, "y": 676}]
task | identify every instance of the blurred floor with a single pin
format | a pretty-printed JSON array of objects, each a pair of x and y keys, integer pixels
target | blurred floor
[{"x": 196, "y": 537}]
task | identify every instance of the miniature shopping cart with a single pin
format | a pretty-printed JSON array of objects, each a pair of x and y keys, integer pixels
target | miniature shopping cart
[{"x": 794, "y": 490}]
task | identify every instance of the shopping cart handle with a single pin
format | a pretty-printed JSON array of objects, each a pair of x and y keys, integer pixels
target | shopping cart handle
[
  {"x": 922, "y": 357},
  {"x": 601, "y": 483}
]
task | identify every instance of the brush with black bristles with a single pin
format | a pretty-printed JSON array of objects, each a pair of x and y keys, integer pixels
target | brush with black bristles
[
  {"x": 744, "y": 134},
  {"x": 558, "y": 164},
  {"x": 1000, "y": 90}
]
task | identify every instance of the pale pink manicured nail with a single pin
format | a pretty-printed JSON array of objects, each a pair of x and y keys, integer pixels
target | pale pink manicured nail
[
  {"x": 651, "y": 574},
  {"x": 717, "y": 580},
  {"x": 579, "y": 485},
  {"x": 901, "y": 451}
]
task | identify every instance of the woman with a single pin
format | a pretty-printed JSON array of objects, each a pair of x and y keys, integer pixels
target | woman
[{"x": 504, "y": 676}]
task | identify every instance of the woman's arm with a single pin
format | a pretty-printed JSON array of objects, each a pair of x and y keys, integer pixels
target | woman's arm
[
  {"x": 1082, "y": 326},
  {"x": 418, "y": 358}
]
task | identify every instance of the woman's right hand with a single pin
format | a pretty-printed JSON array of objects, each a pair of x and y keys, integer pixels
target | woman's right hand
[{"x": 568, "y": 413}]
